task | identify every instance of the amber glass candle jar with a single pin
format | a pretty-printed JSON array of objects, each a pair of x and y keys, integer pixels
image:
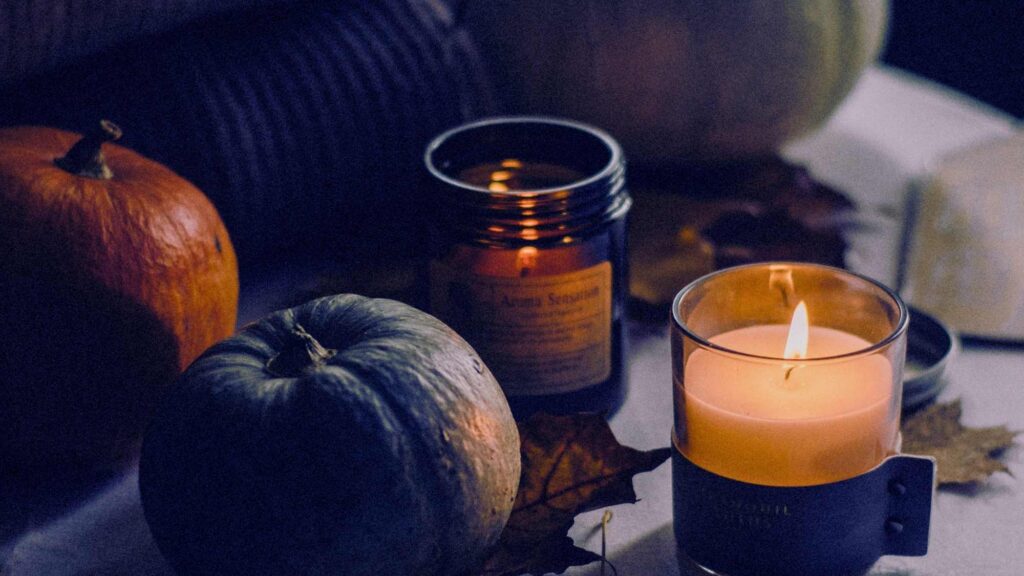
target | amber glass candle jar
[{"x": 528, "y": 258}]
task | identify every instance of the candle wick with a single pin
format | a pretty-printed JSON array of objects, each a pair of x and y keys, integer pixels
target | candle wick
[
  {"x": 788, "y": 372},
  {"x": 785, "y": 296}
]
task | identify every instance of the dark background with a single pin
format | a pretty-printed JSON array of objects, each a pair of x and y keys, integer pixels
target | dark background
[{"x": 975, "y": 46}]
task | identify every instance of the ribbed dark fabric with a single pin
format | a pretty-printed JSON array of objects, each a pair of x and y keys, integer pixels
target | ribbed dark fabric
[
  {"x": 304, "y": 123},
  {"x": 39, "y": 35}
]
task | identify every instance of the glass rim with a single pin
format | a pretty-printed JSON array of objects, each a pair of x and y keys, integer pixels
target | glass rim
[
  {"x": 615, "y": 155},
  {"x": 894, "y": 335}
]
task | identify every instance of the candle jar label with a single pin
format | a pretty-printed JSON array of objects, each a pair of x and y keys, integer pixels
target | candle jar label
[{"x": 542, "y": 334}]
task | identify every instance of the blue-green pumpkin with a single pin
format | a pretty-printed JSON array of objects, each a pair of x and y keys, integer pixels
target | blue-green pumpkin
[{"x": 347, "y": 436}]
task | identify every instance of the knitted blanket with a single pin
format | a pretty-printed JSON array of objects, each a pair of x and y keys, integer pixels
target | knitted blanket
[{"x": 304, "y": 122}]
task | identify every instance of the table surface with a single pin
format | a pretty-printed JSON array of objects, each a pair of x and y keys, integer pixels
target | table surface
[{"x": 889, "y": 132}]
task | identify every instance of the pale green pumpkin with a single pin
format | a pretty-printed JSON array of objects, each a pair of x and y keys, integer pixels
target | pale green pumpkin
[{"x": 681, "y": 80}]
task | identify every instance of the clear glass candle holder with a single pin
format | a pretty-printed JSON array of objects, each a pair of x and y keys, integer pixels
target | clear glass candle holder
[
  {"x": 748, "y": 410},
  {"x": 787, "y": 385}
]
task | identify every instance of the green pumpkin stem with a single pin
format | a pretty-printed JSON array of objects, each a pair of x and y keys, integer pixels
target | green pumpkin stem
[
  {"x": 300, "y": 354},
  {"x": 86, "y": 157}
]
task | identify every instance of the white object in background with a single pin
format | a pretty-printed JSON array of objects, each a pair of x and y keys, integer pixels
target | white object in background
[
  {"x": 889, "y": 133},
  {"x": 966, "y": 259}
]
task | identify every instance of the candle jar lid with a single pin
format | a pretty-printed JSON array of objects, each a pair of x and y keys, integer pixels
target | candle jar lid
[{"x": 931, "y": 346}]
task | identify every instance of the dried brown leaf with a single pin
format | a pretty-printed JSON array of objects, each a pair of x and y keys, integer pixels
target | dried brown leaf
[
  {"x": 571, "y": 464},
  {"x": 697, "y": 219},
  {"x": 963, "y": 455}
]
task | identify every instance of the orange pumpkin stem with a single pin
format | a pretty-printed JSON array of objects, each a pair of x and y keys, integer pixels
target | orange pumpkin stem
[
  {"x": 86, "y": 157},
  {"x": 300, "y": 354}
]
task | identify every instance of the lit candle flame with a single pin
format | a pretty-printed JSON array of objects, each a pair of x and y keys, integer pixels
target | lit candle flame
[
  {"x": 796, "y": 341},
  {"x": 526, "y": 260},
  {"x": 500, "y": 179}
]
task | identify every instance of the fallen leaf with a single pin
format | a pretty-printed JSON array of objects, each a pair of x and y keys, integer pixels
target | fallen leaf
[
  {"x": 697, "y": 219},
  {"x": 571, "y": 464},
  {"x": 963, "y": 455}
]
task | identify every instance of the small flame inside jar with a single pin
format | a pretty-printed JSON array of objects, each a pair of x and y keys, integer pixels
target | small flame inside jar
[
  {"x": 511, "y": 175},
  {"x": 796, "y": 340}
]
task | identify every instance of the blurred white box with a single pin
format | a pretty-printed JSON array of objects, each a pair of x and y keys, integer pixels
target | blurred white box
[{"x": 965, "y": 260}]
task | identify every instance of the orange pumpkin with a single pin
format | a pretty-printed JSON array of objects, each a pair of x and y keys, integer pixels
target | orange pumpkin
[{"x": 115, "y": 273}]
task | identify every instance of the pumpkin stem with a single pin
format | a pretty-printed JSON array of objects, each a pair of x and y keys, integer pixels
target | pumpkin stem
[
  {"x": 300, "y": 354},
  {"x": 86, "y": 157}
]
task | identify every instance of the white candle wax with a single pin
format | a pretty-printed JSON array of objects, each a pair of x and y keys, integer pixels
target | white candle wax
[{"x": 828, "y": 421}]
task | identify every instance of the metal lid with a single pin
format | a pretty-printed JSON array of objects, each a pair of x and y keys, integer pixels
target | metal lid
[{"x": 931, "y": 345}]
